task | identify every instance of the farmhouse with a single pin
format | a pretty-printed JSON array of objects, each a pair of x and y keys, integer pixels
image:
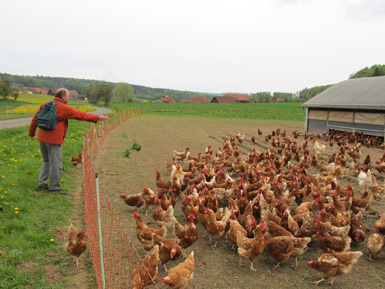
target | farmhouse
[
  {"x": 166, "y": 99},
  {"x": 223, "y": 99},
  {"x": 241, "y": 98},
  {"x": 52, "y": 92},
  {"x": 200, "y": 99},
  {"x": 35, "y": 89},
  {"x": 354, "y": 105}
]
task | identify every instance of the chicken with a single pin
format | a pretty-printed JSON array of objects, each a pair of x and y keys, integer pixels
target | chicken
[
  {"x": 361, "y": 203},
  {"x": 177, "y": 172},
  {"x": 216, "y": 228},
  {"x": 337, "y": 231},
  {"x": 76, "y": 160},
  {"x": 380, "y": 167},
  {"x": 180, "y": 156},
  {"x": 319, "y": 149},
  {"x": 357, "y": 230},
  {"x": 181, "y": 275},
  {"x": 365, "y": 179},
  {"x": 146, "y": 273},
  {"x": 280, "y": 248},
  {"x": 186, "y": 235},
  {"x": 149, "y": 197},
  {"x": 300, "y": 246},
  {"x": 162, "y": 217},
  {"x": 76, "y": 244},
  {"x": 235, "y": 227},
  {"x": 375, "y": 245},
  {"x": 275, "y": 230},
  {"x": 292, "y": 225},
  {"x": 144, "y": 233},
  {"x": 334, "y": 264},
  {"x": 133, "y": 200},
  {"x": 168, "y": 250},
  {"x": 380, "y": 224},
  {"x": 250, "y": 248},
  {"x": 161, "y": 183},
  {"x": 329, "y": 243}
]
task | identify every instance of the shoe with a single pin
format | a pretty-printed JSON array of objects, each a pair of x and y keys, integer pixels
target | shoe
[
  {"x": 44, "y": 187},
  {"x": 61, "y": 192}
]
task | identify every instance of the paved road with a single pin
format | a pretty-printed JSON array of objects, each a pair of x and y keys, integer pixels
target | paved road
[{"x": 27, "y": 121}]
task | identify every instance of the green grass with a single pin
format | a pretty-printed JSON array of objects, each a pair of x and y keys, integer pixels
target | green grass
[
  {"x": 268, "y": 111},
  {"x": 29, "y": 217}
]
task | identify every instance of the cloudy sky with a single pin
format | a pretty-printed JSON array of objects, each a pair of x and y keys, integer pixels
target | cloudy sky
[{"x": 213, "y": 46}]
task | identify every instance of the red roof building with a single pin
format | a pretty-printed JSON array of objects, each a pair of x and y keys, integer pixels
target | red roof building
[
  {"x": 166, "y": 99},
  {"x": 35, "y": 89},
  {"x": 52, "y": 92},
  {"x": 243, "y": 98},
  {"x": 223, "y": 99},
  {"x": 200, "y": 99}
]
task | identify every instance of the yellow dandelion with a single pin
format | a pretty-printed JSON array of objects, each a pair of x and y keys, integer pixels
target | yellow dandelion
[
  {"x": 16, "y": 209},
  {"x": 16, "y": 212},
  {"x": 52, "y": 240},
  {"x": 3, "y": 177}
]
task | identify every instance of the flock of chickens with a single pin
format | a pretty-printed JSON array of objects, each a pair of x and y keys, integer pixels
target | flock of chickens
[{"x": 263, "y": 201}]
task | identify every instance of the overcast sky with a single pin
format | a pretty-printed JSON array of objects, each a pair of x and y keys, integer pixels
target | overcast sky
[{"x": 216, "y": 46}]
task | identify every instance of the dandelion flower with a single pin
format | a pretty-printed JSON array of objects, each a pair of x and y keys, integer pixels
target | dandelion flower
[
  {"x": 16, "y": 212},
  {"x": 52, "y": 240},
  {"x": 16, "y": 209}
]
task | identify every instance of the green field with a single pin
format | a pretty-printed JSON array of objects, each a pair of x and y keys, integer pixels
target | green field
[{"x": 273, "y": 111}]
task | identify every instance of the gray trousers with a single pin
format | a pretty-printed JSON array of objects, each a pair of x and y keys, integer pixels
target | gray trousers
[{"x": 52, "y": 165}]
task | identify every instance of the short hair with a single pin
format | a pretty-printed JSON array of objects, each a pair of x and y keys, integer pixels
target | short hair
[{"x": 60, "y": 92}]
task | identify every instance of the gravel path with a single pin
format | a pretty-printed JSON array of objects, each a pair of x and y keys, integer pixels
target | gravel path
[{"x": 26, "y": 121}]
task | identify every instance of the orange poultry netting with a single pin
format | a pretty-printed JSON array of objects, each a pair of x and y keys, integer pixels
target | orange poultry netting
[{"x": 113, "y": 254}]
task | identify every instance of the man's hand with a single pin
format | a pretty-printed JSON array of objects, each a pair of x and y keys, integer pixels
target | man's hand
[{"x": 103, "y": 117}]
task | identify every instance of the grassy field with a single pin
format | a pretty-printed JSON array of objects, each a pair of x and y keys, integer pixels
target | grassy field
[
  {"x": 27, "y": 104},
  {"x": 29, "y": 216},
  {"x": 273, "y": 111}
]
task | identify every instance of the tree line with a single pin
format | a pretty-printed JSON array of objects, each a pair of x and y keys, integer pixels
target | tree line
[{"x": 105, "y": 92}]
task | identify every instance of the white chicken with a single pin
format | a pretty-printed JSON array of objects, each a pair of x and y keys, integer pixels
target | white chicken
[
  {"x": 319, "y": 148},
  {"x": 178, "y": 172},
  {"x": 365, "y": 179}
]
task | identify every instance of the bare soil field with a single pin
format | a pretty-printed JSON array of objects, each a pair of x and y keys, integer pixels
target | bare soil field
[{"x": 219, "y": 268}]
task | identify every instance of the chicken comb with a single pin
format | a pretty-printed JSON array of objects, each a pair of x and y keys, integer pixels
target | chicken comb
[{"x": 135, "y": 214}]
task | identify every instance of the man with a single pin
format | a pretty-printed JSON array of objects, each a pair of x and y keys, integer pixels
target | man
[{"x": 51, "y": 140}]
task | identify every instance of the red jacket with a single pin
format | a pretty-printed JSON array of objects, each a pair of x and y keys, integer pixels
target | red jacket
[{"x": 64, "y": 112}]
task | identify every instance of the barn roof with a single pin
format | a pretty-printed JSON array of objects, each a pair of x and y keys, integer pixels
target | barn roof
[
  {"x": 239, "y": 97},
  {"x": 356, "y": 93}
]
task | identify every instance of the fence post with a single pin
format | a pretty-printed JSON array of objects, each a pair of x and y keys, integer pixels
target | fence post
[{"x": 100, "y": 230}]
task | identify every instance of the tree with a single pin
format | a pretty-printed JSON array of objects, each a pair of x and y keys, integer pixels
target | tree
[
  {"x": 123, "y": 92},
  {"x": 376, "y": 72},
  {"x": 5, "y": 89},
  {"x": 102, "y": 91}
]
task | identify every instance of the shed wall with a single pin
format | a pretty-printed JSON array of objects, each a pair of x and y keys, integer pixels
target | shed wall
[{"x": 367, "y": 122}]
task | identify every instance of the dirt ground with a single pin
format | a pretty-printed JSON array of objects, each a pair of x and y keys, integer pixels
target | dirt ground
[{"x": 219, "y": 268}]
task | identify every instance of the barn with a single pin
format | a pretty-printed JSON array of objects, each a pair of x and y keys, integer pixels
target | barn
[{"x": 354, "y": 105}]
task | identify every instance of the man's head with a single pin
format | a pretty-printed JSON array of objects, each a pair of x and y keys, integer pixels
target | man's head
[{"x": 63, "y": 94}]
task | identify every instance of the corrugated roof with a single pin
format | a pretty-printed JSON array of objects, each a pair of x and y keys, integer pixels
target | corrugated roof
[{"x": 357, "y": 93}]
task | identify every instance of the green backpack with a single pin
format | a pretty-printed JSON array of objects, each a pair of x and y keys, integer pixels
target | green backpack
[{"x": 47, "y": 116}]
